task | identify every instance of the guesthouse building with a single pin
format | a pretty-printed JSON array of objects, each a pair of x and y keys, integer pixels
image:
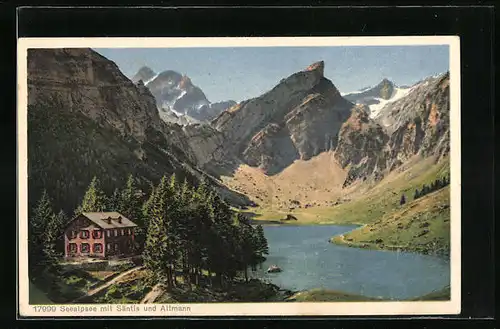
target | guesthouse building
[{"x": 99, "y": 235}]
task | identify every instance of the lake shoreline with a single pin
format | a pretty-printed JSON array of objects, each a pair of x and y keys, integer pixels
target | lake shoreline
[{"x": 339, "y": 239}]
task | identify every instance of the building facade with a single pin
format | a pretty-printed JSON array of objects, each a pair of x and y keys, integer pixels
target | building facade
[{"x": 99, "y": 235}]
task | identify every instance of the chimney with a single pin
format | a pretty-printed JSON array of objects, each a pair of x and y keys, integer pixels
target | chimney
[
  {"x": 108, "y": 220},
  {"x": 119, "y": 219}
]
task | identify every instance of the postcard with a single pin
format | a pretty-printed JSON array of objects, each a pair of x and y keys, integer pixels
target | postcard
[{"x": 185, "y": 177}]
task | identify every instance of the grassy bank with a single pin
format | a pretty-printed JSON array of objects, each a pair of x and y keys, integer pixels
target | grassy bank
[
  {"x": 441, "y": 294},
  {"x": 325, "y": 295},
  {"x": 422, "y": 225}
]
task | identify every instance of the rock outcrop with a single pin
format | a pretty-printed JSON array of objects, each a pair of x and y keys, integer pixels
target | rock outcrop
[
  {"x": 361, "y": 147},
  {"x": 297, "y": 119}
]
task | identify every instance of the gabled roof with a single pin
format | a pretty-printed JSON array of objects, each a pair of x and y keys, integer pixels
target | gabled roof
[{"x": 101, "y": 219}]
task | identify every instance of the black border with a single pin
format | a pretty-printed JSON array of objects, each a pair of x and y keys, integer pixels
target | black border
[{"x": 474, "y": 25}]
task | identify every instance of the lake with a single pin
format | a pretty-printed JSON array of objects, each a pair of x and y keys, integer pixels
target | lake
[{"x": 309, "y": 261}]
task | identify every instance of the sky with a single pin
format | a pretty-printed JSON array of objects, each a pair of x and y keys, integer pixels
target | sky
[{"x": 241, "y": 73}]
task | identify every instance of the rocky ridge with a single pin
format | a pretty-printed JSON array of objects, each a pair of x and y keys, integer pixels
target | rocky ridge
[{"x": 305, "y": 115}]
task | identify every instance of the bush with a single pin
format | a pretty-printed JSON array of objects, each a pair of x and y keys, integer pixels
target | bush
[
  {"x": 76, "y": 281},
  {"x": 114, "y": 292}
]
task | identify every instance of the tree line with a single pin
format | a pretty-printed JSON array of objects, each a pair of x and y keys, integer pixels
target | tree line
[
  {"x": 437, "y": 184},
  {"x": 183, "y": 231}
]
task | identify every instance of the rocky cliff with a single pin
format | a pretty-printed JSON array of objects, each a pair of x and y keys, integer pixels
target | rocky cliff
[
  {"x": 420, "y": 122},
  {"x": 361, "y": 147},
  {"x": 86, "y": 118},
  {"x": 299, "y": 118},
  {"x": 416, "y": 124}
]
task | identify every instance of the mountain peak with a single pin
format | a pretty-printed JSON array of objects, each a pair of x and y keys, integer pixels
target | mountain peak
[
  {"x": 385, "y": 81},
  {"x": 145, "y": 73},
  {"x": 317, "y": 66},
  {"x": 185, "y": 82},
  {"x": 146, "y": 69}
]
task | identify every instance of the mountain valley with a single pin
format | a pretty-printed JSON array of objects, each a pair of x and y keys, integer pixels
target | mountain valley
[
  {"x": 371, "y": 165},
  {"x": 301, "y": 141}
]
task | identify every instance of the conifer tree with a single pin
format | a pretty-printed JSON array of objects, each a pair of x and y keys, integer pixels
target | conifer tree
[
  {"x": 185, "y": 190},
  {"x": 52, "y": 237},
  {"x": 416, "y": 195},
  {"x": 155, "y": 247},
  {"x": 221, "y": 254},
  {"x": 94, "y": 199},
  {"x": 425, "y": 190},
  {"x": 130, "y": 201},
  {"x": 60, "y": 222},
  {"x": 262, "y": 245},
  {"x": 246, "y": 244},
  {"x": 403, "y": 200},
  {"x": 161, "y": 248},
  {"x": 114, "y": 202},
  {"x": 433, "y": 186},
  {"x": 37, "y": 235},
  {"x": 147, "y": 206}
]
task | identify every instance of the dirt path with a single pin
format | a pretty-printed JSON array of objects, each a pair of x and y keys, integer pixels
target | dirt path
[
  {"x": 106, "y": 284},
  {"x": 153, "y": 294}
]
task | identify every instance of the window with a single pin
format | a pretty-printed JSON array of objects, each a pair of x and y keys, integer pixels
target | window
[
  {"x": 97, "y": 234},
  {"x": 108, "y": 247},
  {"x": 116, "y": 232},
  {"x": 98, "y": 248},
  {"x": 122, "y": 232},
  {"x": 108, "y": 232},
  {"x": 72, "y": 247},
  {"x": 116, "y": 247},
  {"x": 73, "y": 234},
  {"x": 129, "y": 231},
  {"x": 84, "y": 248},
  {"x": 84, "y": 234}
]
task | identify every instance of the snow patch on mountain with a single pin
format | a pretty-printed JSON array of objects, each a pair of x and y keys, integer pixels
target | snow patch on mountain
[
  {"x": 151, "y": 79},
  {"x": 352, "y": 92},
  {"x": 396, "y": 95}
]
